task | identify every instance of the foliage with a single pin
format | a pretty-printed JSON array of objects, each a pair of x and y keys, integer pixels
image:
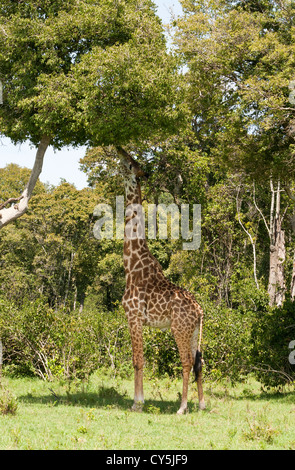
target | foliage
[
  {"x": 272, "y": 332},
  {"x": 8, "y": 402},
  {"x": 161, "y": 353},
  {"x": 103, "y": 72},
  {"x": 13, "y": 179},
  {"x": 227, "y": 345},
  {"x": 56, "y": 344},
  {"x": 105, "y": 77},
  {"x": 240, "y": 59}
]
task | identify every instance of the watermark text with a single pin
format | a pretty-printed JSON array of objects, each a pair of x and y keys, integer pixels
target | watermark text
[{"x": 152, "y": 221}]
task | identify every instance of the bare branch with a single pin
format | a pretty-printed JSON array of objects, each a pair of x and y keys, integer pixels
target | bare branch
[
  {"x": 16, "y": 211},
  {"x": 250, "y": 236},
  {"x": 10, "y": 201},
  {"x": 3, "y": 31},
  {"x": 260, "y": 212}
]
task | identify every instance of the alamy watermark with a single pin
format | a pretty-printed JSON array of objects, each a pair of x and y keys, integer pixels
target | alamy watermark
[
  {"x": 150, "y": 222},
  {"x": 292, "y": 92},
  {"x": 292, "y": 353}
]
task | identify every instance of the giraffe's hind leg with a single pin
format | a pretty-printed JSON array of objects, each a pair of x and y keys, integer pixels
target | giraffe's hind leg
[
  {"x": 135, "y": 328},
  {"x": 198, "y": 362},
  {"x": 183, "y": 341}
]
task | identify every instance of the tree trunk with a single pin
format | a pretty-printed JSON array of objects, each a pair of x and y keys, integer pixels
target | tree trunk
[
  {"x": 292, "y": 284},
  {"x": 68, "y": 285},
  {"x": 276, "y": 281},
  {"x": 17, "y": 210}
]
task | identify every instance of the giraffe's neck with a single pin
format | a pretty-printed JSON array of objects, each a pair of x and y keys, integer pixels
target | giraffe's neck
[
  {"x": 133, "y": 193},
  {"x": 135, "y": 245},
  {"x": 139, "y": 263}
]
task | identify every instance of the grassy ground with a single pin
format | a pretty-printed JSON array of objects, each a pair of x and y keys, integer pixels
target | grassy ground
[{"x": 98, "y": 416}]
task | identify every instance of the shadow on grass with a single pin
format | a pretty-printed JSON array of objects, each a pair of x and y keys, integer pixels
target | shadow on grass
[
  {"x": 283, "y": 397},
  {"x": 248, "y": 394},
  {"x": 105, "y": 397},
  {"x": 110, "y": 397}
]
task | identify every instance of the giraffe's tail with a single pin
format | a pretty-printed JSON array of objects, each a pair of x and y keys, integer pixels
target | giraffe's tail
[{"x": 198, "y": 365}]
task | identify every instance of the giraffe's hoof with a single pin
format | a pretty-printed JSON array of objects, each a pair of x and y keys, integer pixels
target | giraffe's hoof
[
  {"x": 137, "y": 407},
  {"x": 182, "y": 411},
  {"x": 202, "y": 405}
]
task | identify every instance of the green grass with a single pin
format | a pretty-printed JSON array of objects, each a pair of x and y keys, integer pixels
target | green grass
[{"x": 98, "y": 416}]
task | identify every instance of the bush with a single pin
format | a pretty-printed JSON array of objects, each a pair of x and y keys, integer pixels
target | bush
[
  {"x": 8, "y": 403},
  {"x": 46, "y": 342},
  {"x": 226, "y": 342},
  {"x": 71, "y": 345},
  {"x": 272, "y": 332},
  {"x": 161, "y": 352},
  {"x": 59, "y": 344}
]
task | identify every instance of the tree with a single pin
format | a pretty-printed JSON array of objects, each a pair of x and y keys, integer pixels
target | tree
[
  {"x": 175, "y": 166},
  {"x": 65, "y": 253},
  {"x": 240, "y": 59},
  {"x": 75, "y": 72}
]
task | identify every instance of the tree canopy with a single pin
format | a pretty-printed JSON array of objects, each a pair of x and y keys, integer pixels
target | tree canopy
[
  {"x": 240, "y": 58},
  {"x": 80, "y": 71}
]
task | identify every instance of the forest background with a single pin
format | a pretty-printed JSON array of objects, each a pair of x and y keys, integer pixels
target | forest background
[{"x": 211, "y": 120}]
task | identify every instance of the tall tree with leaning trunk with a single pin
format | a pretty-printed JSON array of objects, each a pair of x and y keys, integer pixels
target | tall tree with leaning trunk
[{"x": 21, "y": 203}]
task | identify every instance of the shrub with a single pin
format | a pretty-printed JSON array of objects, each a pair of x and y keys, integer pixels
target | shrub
[
  {"x": 58, "y": 344},
  {"x": 272, "y": 332},
  {"x": 161, "y": 352},
  {"x": 8, "y": 403},
  {"x": 71, "y": 345},
  {"x": 226, "y": 342}
]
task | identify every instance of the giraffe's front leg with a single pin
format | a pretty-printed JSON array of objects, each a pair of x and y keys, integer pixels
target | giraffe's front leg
[
  {"x": 138, "y": 390},
  {"x": 135, "y": 328}
]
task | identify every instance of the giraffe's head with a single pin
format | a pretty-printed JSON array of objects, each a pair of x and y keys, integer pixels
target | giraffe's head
[
  {"x": 130, "y": 171},
  {"x": 130, "y": 166}
]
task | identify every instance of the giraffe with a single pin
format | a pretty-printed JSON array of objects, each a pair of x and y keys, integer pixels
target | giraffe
[{"x": 151, "y": 299}]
